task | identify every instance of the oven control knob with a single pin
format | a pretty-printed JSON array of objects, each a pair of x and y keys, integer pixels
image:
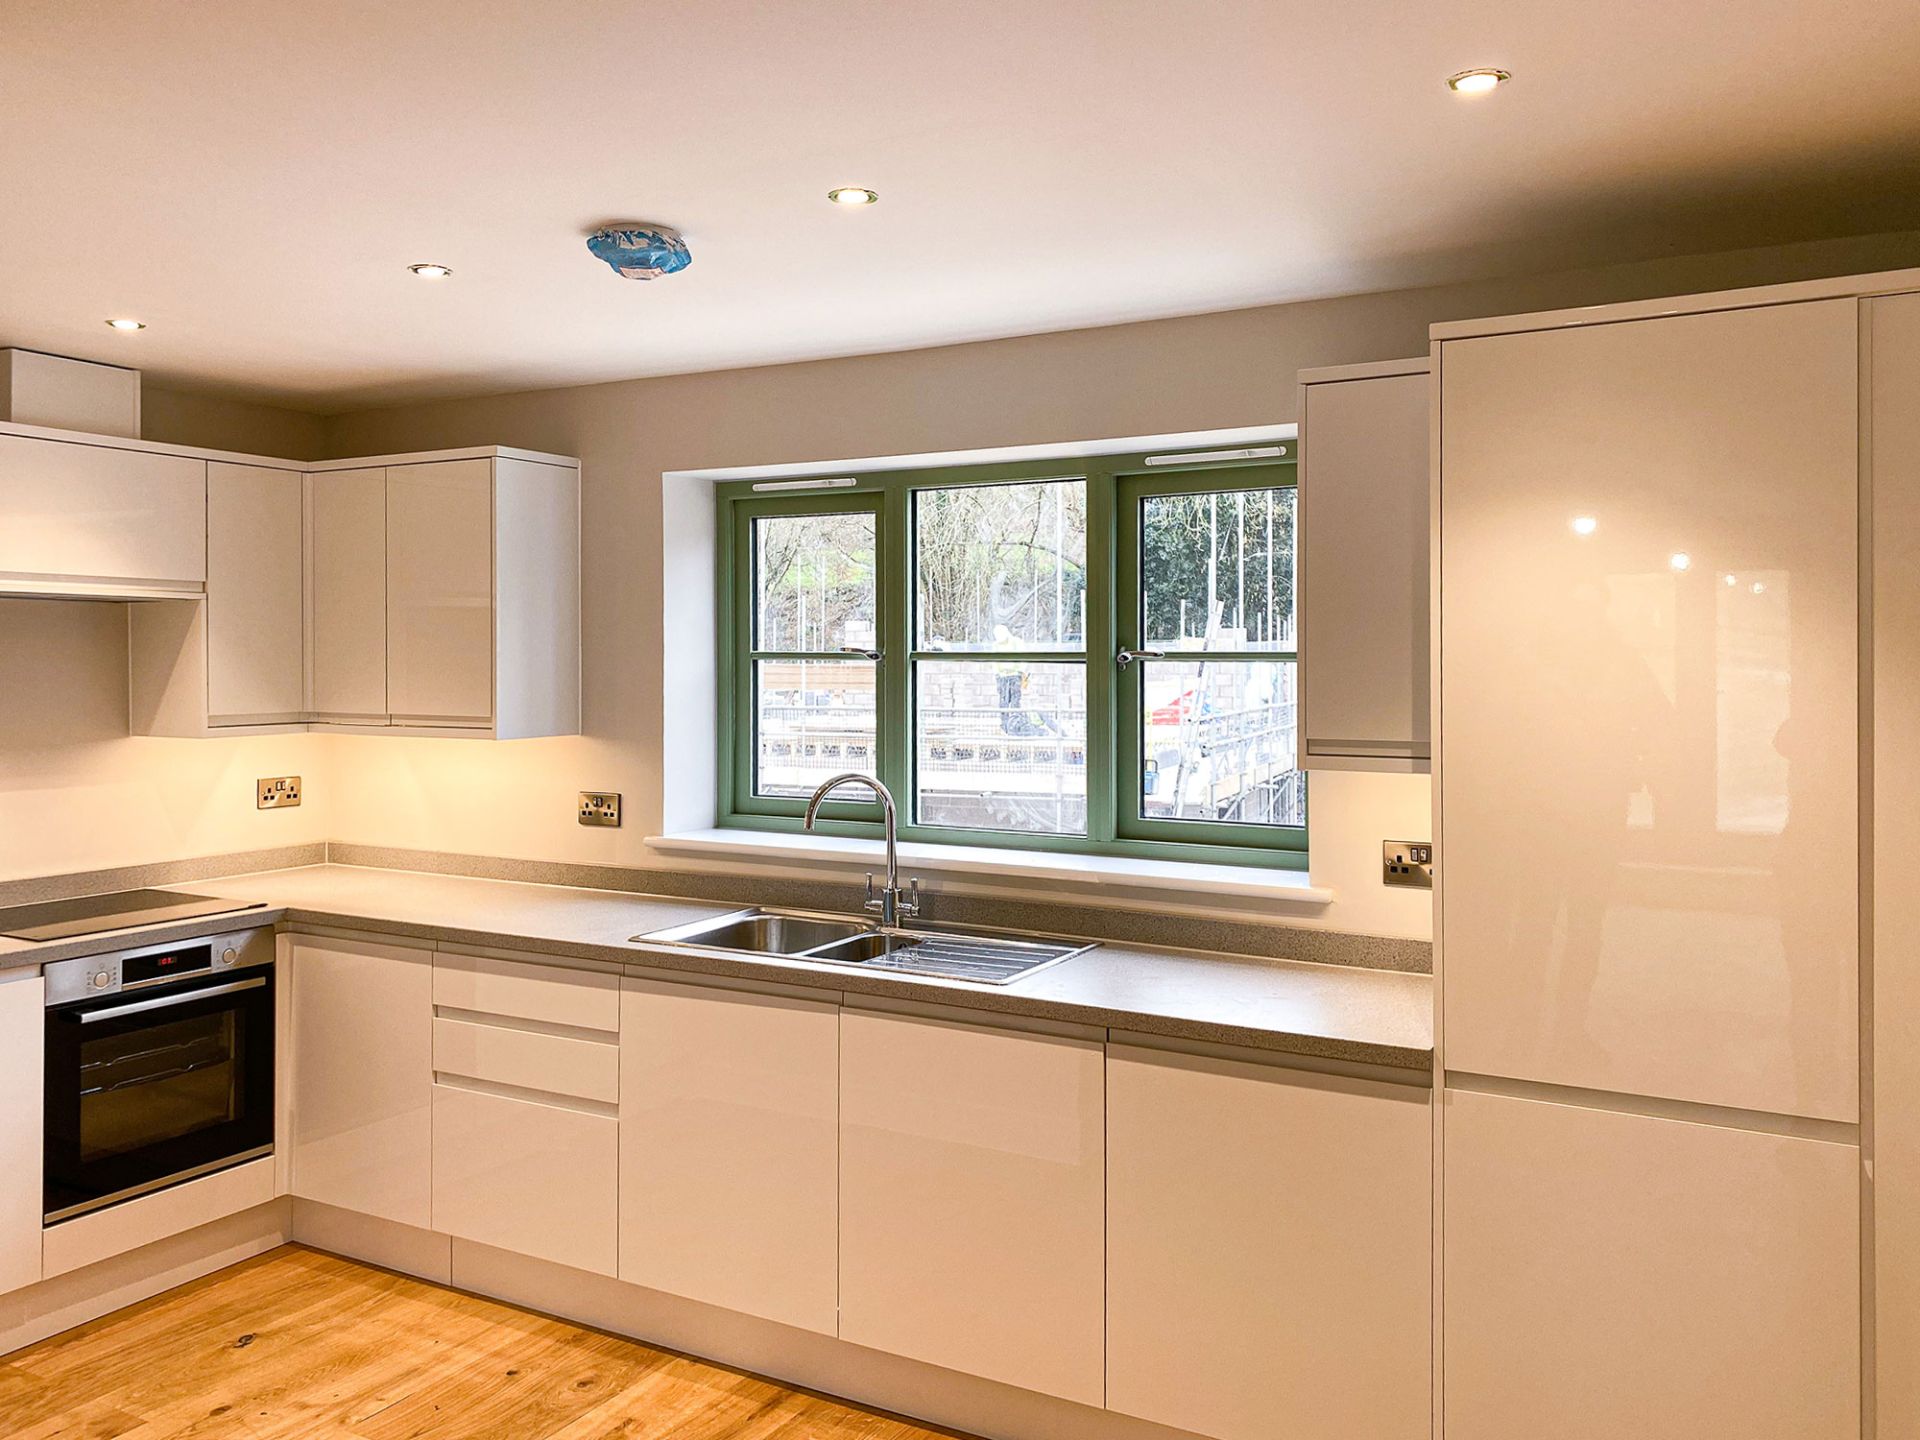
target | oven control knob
[
  {"x": 102, "y": 979},
  {"x": 229, "y": 955}
]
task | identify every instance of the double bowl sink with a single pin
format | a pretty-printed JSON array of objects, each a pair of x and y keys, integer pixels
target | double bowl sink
[{"x": 984, "y": 957}]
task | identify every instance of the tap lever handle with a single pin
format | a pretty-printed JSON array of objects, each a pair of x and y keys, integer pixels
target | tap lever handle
[
  {"x": 871, "y": 903},
  {"x": 911, "y": 905}
]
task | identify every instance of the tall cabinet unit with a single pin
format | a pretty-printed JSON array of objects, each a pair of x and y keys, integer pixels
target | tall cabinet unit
[
  {"x": 1648, "y": 820},
  {"x": 1893, "y": 451}
]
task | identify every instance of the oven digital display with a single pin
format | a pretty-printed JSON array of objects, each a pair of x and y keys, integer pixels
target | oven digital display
[{"x": 185, "y": 961}]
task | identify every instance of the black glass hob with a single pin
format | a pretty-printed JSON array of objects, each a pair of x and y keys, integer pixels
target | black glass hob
[{"x": 93, "y": 914}]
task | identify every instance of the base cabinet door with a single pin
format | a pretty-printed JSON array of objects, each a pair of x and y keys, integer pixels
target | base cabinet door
[
  {"x": 972, "y": 1199},
  {"x": 22, "y": 1120},
  {"x": 363, "y": 1077},
  {"x": 534, "y": 1178},
  {"x": 729, "y": 1149},
  {"x": 1269, "y": 1249},
  {"x": 1610, "y": 1274}
]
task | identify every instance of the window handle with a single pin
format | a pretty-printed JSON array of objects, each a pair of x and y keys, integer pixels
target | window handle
[
  {"x": 856, "y": 650},
  {"x": 1127, "y": 657}
]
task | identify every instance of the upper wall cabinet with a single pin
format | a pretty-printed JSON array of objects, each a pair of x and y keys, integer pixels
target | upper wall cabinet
[
  {"x": 79, "y": 518},
  {"x": 415, "y": 596},
  {"x": 234, "y": 659},
  {"x": 445, "y": 595},
  {"x": 346, "y": 595},
  {"x": 1649, "y": 617},
  {"x": 1363, "y": 567}
]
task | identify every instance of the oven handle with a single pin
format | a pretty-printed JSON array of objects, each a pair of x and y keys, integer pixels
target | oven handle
[{"x": 161, "y": 1002}]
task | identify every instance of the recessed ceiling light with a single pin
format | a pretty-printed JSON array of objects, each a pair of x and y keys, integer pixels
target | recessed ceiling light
[
  {"x": 853, "y": 195},
  {"x": 1585, "y": 524},
  {"x": 127, "y": 324},
  {"x": 1680, "y": 560},
  {"x": 427, "y": 271},
  {"x": 1476, "y": 82}
]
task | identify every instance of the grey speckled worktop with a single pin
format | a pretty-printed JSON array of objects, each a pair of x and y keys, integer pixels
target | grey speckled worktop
[{"x": 1335, "y": 1012}]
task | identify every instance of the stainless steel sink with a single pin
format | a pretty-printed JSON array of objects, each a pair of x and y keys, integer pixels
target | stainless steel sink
[
  {"x": 763, "y": 933},
  {"x": 983, "y": 956}
]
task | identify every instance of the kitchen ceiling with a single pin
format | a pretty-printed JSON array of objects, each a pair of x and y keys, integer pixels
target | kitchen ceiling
[{"x": 252, "y": 180}]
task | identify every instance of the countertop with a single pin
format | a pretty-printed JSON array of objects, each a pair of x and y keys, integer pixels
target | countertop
[{"x": 1335, "y": 1012}]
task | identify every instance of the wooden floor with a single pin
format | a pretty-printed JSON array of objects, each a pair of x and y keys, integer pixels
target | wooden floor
[{"x": 297, "y": 1344}]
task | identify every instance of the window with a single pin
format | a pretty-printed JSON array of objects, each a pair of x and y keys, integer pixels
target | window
[{"x": 1095, "y": 657}]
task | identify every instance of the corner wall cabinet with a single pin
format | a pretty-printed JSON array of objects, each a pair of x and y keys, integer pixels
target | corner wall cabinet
[
  {"x": 1362, "y": 567},
  {"x": 414, "y": 594}
]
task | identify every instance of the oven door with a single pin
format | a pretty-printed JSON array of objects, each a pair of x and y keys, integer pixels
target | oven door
[{"x": 146, "y": 1088}]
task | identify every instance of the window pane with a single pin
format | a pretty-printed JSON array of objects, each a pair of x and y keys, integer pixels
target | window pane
[
  {"x": 1218, "y": 743},
  {"x": 1217, "y": 570},
  {"x": 815, "y": 719},
  {"x": 1002, "y": 566},
  {"x": 1002, "y": 747},
  {"x": 814, "y": 579}
]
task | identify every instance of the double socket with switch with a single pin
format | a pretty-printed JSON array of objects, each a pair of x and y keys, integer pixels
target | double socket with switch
[
  {"x": 599, "y": 807},
  {"x": 1408, "y": 863},
  {"x": 277, "y": 792}
]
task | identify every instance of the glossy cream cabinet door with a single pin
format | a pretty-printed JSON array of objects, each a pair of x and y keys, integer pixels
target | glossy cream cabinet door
[
  {"x": 23, "y": 1019},
  {"x": 98, "y": 512},
  {"x": 346, "y": 593},
  {"x": 440, "y": 592},
  {"x": 729, "y": 1149},
  {"x": 1269, "y": 1249},
  {"x": 538, "y": 1177},
  {"x": 1609, "y": 1275},
  {"x": 1894, "y": 340},
  {"x": 972, "y": 1180},
  {"x": 255, "y": 623},
  {"x": 363, "y": 1077},
  {"x": 1364, "y": 552},
  {"x": 1648, "y": 634}
]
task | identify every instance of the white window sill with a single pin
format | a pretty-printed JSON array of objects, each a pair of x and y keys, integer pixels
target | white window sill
[{"x": 1291, "y": 888}]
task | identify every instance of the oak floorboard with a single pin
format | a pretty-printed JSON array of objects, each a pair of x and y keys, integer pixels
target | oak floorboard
[{"x": 297, "y": 1344}]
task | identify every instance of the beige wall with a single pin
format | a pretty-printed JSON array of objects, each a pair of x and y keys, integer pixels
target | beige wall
[
  {"x": 184, "y": 417},
  {"x": 76, "y": 792}
]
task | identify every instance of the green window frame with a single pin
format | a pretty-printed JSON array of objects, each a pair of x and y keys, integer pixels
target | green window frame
[{"x": 1116, "y": 489}]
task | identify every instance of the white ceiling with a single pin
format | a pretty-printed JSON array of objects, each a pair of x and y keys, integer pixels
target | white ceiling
[{"x": 252, "y": 178}]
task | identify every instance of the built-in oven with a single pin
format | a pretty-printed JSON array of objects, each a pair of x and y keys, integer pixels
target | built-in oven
[{"x": 159, "y": 1067}]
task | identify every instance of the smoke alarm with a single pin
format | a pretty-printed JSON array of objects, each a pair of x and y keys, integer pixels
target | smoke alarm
[{"x": 640, "y": 252}]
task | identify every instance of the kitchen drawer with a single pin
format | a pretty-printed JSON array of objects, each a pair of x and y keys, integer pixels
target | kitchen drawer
[
  {"x": 527, "y": 1059},
  {"x": 536, "y": 1179},
  {"x": 549, "y": 994}
]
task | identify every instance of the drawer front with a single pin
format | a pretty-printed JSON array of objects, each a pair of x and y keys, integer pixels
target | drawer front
[
  {"x": 538, "y": 1180},
  {"x": 527, "y": 1060},
  {"x": 548, "y": 994}
]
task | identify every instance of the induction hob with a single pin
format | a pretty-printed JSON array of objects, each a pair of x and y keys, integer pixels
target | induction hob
[{"x": 93, "y": 914}]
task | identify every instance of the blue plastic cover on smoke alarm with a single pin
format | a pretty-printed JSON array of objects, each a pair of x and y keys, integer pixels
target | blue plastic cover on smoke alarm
[{"x": 641, "y": 252}]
